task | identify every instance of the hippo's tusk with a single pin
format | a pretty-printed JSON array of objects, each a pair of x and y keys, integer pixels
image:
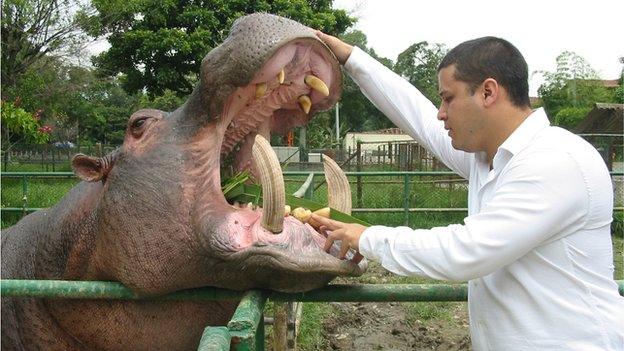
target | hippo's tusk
[
  {"x": 280, "y": 76},
  {"x": 338, "y": 189},
  {"x": 273, "y": 193},
  {"x": 260, "y": 89},
  {"x": 317, "y": 84},
  {"x": 305, "y": 103}
]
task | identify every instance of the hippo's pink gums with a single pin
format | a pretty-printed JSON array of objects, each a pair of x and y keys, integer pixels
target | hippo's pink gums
[{"x": 152, "y": 216}]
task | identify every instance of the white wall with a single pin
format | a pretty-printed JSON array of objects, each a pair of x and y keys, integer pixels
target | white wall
[{"x": 351, "y": 139}]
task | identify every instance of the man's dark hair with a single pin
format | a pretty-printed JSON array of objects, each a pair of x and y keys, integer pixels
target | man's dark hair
[{"x": 489, "y": 57}]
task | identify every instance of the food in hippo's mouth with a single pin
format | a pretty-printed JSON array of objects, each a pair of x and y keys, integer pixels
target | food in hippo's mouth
[{"x": 274, "y": 211}]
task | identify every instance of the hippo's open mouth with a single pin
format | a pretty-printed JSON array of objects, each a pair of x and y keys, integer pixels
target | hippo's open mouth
[{"x": 301, "y": 77}]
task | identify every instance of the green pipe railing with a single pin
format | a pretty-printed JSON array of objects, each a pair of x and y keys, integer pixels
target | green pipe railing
[
  {"x": 245, "y": 331},
  {"x": 337, "y": 292},
  {"x": 215, "y": 339}
]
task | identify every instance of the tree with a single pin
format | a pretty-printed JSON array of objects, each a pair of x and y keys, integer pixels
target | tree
[
  {"x": 19, "y": 126},
  {"x": 571, "y": 90},
  {"x": 81, "y": 106},
  {"x": 356, "y": 110},
  {"x": 159, "y": 45},
  {"x": 419, "y": 65},
  {"x": 35, "y": 29}
]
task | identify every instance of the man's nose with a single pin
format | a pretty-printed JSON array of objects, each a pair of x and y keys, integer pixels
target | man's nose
[{"x": 441, "y": 115}]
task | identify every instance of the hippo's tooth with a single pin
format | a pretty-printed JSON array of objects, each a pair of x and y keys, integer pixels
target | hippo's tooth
[
  {"x": 317, "y": 84},
  {"x": 338, "y": 189},
  {"x": 273, "y": 193},
  {"x": 305, "y": 103},
  {"x": 280, "y": 76},
  {"x": 260, "y": 89},
  {"x": 286, "y": 210}
]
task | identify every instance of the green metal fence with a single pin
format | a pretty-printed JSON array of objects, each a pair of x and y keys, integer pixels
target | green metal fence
[{"x": 402, "y": 195}]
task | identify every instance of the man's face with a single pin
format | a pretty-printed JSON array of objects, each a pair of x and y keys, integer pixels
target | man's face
[{"x": 461, "y": 112}]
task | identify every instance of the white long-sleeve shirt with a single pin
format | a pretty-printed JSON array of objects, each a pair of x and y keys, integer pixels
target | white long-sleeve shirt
[{"x": 536, "y": 245}]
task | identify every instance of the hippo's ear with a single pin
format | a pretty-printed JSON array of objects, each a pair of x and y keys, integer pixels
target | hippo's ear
[
  {"x": 91, "y": 169},
  {"x": 87, "y": 168}
]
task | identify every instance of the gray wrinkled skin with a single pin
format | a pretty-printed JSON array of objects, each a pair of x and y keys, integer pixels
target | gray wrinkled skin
[{"x": 153, "y": 217}]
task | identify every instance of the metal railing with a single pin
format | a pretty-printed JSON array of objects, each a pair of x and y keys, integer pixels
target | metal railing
[
  {"x": 245, "y": 330},
  {"x": 405, "y": 180}
]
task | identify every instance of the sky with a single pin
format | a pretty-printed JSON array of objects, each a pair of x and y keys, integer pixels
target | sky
[{"x": 541, "y": 30}]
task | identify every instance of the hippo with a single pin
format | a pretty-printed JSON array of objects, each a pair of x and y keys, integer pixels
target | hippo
[{"x": 152, "y": 215}]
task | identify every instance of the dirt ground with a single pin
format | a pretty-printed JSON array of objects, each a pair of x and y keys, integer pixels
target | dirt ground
[{"x": 394, "y": 326}]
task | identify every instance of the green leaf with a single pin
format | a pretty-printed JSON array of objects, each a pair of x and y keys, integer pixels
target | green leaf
[{"x": 245, "y": 193}]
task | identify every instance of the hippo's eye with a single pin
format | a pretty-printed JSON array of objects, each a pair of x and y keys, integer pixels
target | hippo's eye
[
  {"x": 138, "y": 123},
  {"x": 137, "y": 126}
]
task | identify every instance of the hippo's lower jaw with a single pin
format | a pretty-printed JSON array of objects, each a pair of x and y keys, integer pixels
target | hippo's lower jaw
[
  {"x": 288, "y": 255},
  {"x": 291, "y": 261}
]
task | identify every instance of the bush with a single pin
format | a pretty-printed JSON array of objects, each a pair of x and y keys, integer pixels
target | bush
[{"x": 569, "y": 117}]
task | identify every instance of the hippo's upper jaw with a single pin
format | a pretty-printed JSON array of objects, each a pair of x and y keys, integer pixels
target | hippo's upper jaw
[{"x": 163, "y": 222}]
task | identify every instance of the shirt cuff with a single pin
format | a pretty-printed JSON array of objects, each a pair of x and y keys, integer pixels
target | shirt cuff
[
  {"x": 369, "y": 241},
  {"x": 355, "y": 60}
]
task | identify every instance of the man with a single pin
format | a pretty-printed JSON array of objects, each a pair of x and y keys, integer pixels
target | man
[{"x": 536, "y": 245}]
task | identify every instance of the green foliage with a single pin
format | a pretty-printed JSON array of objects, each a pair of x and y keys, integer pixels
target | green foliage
[
  {"x": 356, "y": 111},
  {"x": 35, "y": 29},
  {"x": 574, "y": 84},
  {"x": 569, "y": 117},
  {"x": 20, "y": 126},
  {"x": 80, "y": 105},
  {"x": 419, "y": 64},
  {"x": 168, "y": 101},
  {"x": 618, "y": 94},
  {"x": 159, "y": 45}
]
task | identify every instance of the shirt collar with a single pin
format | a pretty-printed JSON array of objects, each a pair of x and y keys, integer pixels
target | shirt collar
[{"x": 522, "y": 136}]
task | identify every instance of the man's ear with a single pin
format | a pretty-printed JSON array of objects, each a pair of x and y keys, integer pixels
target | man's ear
[
  {"x": 88, "y": 168},
  {"x": 491, "y": 91}
]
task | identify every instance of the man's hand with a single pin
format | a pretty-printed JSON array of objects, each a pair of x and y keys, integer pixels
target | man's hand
[
  {"x": 341, "y": 49},
  {"x": 348, "y": 233}
]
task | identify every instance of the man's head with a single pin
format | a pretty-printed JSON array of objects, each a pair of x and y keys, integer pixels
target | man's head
[{"x": 481, "y": 80}]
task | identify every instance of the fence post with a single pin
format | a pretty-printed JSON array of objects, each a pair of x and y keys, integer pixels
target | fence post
[
  {"x": 24, "y": 195},
  {"x": 359, "y": 178},
  {"x": 98, "y": 149},
  {"x": 406, "y": 198}
]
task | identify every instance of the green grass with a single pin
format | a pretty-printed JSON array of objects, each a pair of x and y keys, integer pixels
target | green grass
[
  {"x": 40, "y": 193},
  {"x": 37, "y": 167},
  {"x": 618, "y": 255}
]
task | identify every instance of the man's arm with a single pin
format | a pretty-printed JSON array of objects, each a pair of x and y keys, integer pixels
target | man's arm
[
  {"x": 537, "y": 201},
  {"x": 401, "y": 102}
]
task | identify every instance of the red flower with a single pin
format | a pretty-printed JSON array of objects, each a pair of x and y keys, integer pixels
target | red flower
[
  {"x": 47, "y": 129},
  {"x": 37, "y": 115}
]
